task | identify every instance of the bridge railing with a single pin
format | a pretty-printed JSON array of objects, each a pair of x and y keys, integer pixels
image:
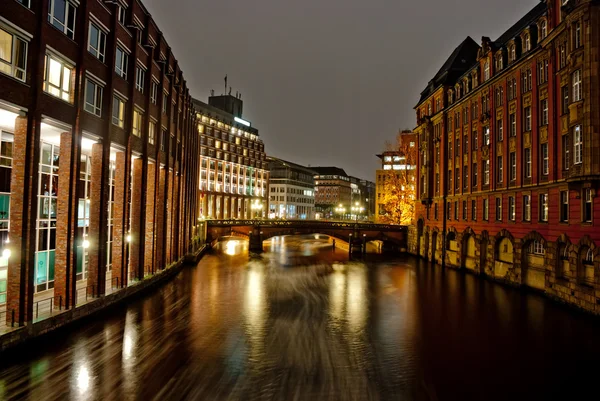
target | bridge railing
[{"x": 305, "y": 224}]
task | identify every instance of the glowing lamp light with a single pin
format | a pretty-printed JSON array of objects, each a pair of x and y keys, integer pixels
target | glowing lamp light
[
  {"x": 243, "y": 122},
  {"x": 128, "y": 238},
  {"x": 86, "y": 244},
  {"x": 6, "y": 253}
]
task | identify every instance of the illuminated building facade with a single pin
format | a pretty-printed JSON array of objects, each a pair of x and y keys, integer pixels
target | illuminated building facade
[
  {"x": 98, "y": 141},
  {"x": 291, "y": 190},
  {"x": 509, "y": 155},
  {"x": 234, "y": 172},
  {"x": 332, "y": 188}
]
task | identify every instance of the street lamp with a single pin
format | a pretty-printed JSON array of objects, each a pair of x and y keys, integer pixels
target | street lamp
[
  {"x": 256, "y": 207},
  {"x": 357, "y": 209},
  {"x": 340, "y": 210}
]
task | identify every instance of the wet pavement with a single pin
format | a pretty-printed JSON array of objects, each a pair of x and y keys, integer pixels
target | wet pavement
[{"x": 301, "y": 322}]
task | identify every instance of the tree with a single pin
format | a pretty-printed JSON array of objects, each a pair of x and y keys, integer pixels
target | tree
[{"x": 399, "y": 191}]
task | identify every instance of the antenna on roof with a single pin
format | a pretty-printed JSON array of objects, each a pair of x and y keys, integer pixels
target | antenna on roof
[{"x": 212, "y": 92}]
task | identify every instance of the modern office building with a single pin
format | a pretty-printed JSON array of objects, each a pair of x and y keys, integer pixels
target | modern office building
[
  {"x": 99, "y": 151},
  {"x": 510, "y": 158},
  {"x": 233, "y": 168},
  {"x": 332, "y": 188},
  {"x": 291, "y": 190}
]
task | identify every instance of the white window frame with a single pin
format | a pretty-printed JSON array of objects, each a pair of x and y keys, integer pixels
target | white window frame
[
  {"x": 136, "y": 125},
  {"x": 97, "y": 50},
  {"x": 152, "y": 132},
  {"x": 121, "y": 70},
  {"x": 545, "y": 159},
  {"x": 544, "y": 108},
  {"x": 96, "y": 107},
  {"x": 578, "y": 144},
  {"x": 512, "y": 214},
  {"x": 121, "y": 14},
  {"x": 498, "y": 209},
  {"x": 153, "y": 91},
  {"x": 527, "y": 113},
  {"x": 140, "y": 77},
  {"x": 64, "y": 27},
  {"x": 16, "y": 72},
  {"x": 500, "y": 167},
  {"x": 486, "y": 172},
  {"x": 120, "y": 120},
  {"x": 60, "y": 91},
  {"x": 577, "y": 86},
  {"x": 513, "y": 166},
  {"x": 527, "y": 157}
]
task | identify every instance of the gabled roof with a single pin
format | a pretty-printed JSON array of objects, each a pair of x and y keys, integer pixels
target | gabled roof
[
  {"x": 529, "y": 18},
  {"x": 461, "y": 59},
  {"x": 329, "y": 171}
]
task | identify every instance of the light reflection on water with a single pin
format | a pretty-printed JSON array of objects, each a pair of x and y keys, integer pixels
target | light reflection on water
[{"x": 303, "y": 322}]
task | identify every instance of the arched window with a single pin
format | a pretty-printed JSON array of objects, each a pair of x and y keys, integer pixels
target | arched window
[
  {"x": 513, "y": 53},
  {"x": 450, "y": 96},
  {"x": 543, "y": 29},
  {"x": 588, "y": 258},
  {"x": 527, "y": 45}
]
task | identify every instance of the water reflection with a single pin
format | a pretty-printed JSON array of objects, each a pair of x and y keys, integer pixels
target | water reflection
[{"x": 303, "y": 322}]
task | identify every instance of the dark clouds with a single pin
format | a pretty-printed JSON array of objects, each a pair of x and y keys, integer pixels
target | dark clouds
[{"x": 326, "y": 82}]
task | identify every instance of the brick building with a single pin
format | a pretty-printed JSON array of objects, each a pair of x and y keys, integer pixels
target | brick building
[
  {"x": 99, "y": 152},
  {"x": 233, "y": 167},
  {"x": 332, "y": 188},
  {"x": 510, "y": 155}
]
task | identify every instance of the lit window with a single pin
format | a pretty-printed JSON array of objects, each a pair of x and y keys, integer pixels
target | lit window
[
  {"x": 93, "y": 97},
  {"x": 486, "y": 172},
  {"x": 511, "y": 208},
  {"x": 97, "y": 42},
  {"x": 140, "y": 76},
  {"x": 486, "y": 135},
  {"x": 57, "y": 81},
  {"x": 526, "y": 208},
  {"x": 544, "y": 207},
  {"x": 486, "y": 71},
  {"x": 527, "y": 118},
  {"x": 118, "y": 115},
  {"x": 578, "y": 144},
  {"x": 486, "y": 209},
  {"x": 513, "y": 166},
  {"x": 500, "y": 167},
  {"x": 527, "y": 42},
  {"x": 151, "y": 132},
  {"x": 543, "y": 29},
  {"x": 122, "y": 59},
  {"x": 566, "y": 148},
  {"x": 545, "y": 159},
  {"x": 537, "y": 248},
  {"x": 61, "y": 14},
  {"x": 13, "y": 55},
  {"x": 498, "y": 209},
  {"x": 577, "y": 86}
]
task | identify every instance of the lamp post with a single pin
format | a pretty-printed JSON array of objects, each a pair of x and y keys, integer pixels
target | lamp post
[
  {"x": 340, "y": 210},
  {"x": 357, "y": 209},
  {"x": 256, "y": 207}
]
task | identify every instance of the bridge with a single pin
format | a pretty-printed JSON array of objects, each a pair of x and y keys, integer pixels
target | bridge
[{"x": 355, "y": 233}]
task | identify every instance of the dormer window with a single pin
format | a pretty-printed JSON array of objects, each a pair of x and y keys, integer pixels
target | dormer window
[
  {"x": 450, "y": 96},
  {"x": 543, "y": 29},
  {"x": 527, "y": 45},
  {"x": 458, "y": 93},
  {"x": 512, "y": 53},
  {"x": 486, "y": 70},
  {"x": 429, "y": 109},
  {"x": 499, "y": 62},
  {"x": 474, "y": 80}
]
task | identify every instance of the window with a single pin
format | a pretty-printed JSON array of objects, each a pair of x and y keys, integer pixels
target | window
[
  {"x": 486, "y": 135},
  {"x": 512, "y": 55},
  {"x": 544, "y": 207},
  {"x": 527, "y": 119},
  {"x": 562, "y": 51},
  {"x": 163, "y": 139},
  {"x": 457, "y": 178},
  {"x": 136, "y": 128},
  {"x": 97, "y": 42},
  {"x": 500, "y": 130},
  {"x": 578, "y": 144},
  {"x": 587, "y": 206},
  {"x": 500, "y": 165},
  {"x": 486, "y": 71},
  {"x": 566, "y": 149},
  {"x": 57, "y": 78},
  {"x": 456, "y": 210},
  {"x": 499, "y": 62},
  {"x": 140, "y": 76},
  {"x": 543, "y": 29},
  {"x": 474, "y": 183},
  {"x": 165, "y": 102},
  {"x": 151, "y": 132},
  {"x": 513, "y": 166},
  {"x": 565, "y": 99},
  {"x": 153, "y": 92},
  {"x": 457, "y": 148},
  {"x": 121, "y": 62},
  {"x": 475, "y": 140},
  {"x": 544, "y": 112},
  {"x": 93, "y": 98},
  {"x": 527, "y": 42},
  {"x": 527, "y": 157},
  {"x": 498, "y": 209},
  {"x": 511, "y": 208},
  {"x": 526, "y": 81},
  {"x": 118, "y": 115},
  {"x": 466, "y": 177},
  {"x": 449, "y": 211},
  {"x": 435, "y": 211},
  {"x": 577, "y": 88},
  {"x": 486, "y": 172},
  {"x": 486, "y": 209},
  {"x": 437, "y": 182},
  {"x": 61, "y": 14},
  {"x": 564, "y": 206},
  {"x": 121, "y": 12},
  {"x": 466, "y": 144},
  {"x": 537, "y": 248},
  {"x": 545, "y": 160},
  {"x": 13, "y": 55},
  {"x": 577, "y": 35},
  {"x": 512, "y": 120},
  {"x": 473, "y": 210},
  {"x": 526, "y": 208}
]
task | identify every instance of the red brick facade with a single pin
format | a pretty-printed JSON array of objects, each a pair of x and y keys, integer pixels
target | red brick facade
[{"x": 541, "y": 229}]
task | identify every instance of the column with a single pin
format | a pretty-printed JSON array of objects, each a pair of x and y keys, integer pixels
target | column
[
  {"x": 150, "y": 203},
  {"x": 94, "y": 229},
  {"x": 160, "y": 219},
  {"x": 19, "y": 297},
  {"x": 118, "y": 268},
  {"x": 136, "y": 220},
  {"x": 66, "y": 215}
]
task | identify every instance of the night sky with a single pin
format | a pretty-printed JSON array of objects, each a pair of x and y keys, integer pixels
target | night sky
[{"x": 326, "y": 82}]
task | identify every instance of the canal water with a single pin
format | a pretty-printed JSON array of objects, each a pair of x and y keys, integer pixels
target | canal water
[{"x": 303, "y": 322}]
